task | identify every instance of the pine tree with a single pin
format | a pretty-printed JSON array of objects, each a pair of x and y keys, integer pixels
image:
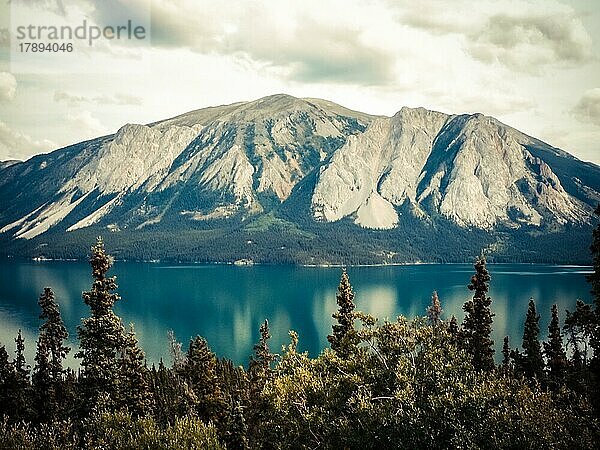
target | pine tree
[
  {"x": 177, "y": 356},
  {"x": 434, "y": 311},
  {"x": 6, "y": 377},
  {"x": 259, "y": 369},
  {"x": 477, "y": 325},
  {"x": 54, "y": 331},
  {"x": 506, "y": 366},
  {"x": 44, "y": 390},
  {"x": 199, "y": 371},
  {"x": 102, "y": 336},
  {"x": 344, "y": 340},
  {"x": 48, "y": 373},
  {"x": 594, "y": 280},
  {"x": 134, "y": 391},
  {"x": 19, "y": 386},
  {"x": 236, "y": 434},
  {"x": 555, "y": 352},
  {"x": 453, "y": 330},
  {"x": 533, "y": 362},
  {"x": 259, "y": 374}
]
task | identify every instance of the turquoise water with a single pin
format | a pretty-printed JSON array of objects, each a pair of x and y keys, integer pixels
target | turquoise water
[{"x": 226, "y": 304}]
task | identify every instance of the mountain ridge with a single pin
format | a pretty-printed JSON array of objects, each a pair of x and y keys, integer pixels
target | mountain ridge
[{"x": 214, "y": 170}]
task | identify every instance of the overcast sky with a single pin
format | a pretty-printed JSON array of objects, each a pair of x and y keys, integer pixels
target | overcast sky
[{"x": 535, "y": 65}]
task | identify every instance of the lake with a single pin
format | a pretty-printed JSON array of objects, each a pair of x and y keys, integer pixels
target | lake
[{"x": 226, "y": 304}]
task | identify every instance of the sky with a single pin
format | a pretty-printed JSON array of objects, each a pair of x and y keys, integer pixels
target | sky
[{"x": 534, "y": 65}]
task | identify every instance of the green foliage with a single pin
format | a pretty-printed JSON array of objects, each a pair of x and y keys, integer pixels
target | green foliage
[
  {"x": 555, "y": 352},
  {"x": 48, "y": 377},
  {"x": 199, "y": 372},
  {"x": 410, "y": 383},
  {"x": 477, "y": 325},
  {"x": 435, "y": 311},
  {"x": 343, "y": 340},
  {"x": 531, "y": 364},
  {"x": 120, "y": 430}
]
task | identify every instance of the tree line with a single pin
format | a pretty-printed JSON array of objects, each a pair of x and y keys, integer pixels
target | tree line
[{"x": 424, "y": 382}]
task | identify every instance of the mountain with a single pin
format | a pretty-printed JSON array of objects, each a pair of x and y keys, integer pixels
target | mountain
[{"x": 283, "y": 179}]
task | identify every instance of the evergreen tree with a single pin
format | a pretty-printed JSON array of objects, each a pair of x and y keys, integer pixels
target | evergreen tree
[
  {"x": 477, "y": 325},
  {"x": 594, "y": 338},
  {"x": 134, "y": 391},
  {"x": 506, "y": 355},
  {"x": 555, "y": 352},
  {"x": 19, "y": 385},
  {"x": 259, "y": 369},
  {"x": 102, "y": 335},
  {"x": 454, "y": 330},
  {"x": 177, "y": 356},
  {"x": 48, "y": 376},
  {"x": 532, "y": 364},
  {"x": 259, "y": 374},
  {"x": 236, "y": 434},
  {"x": 434, "y": 311},
  {"x": 199, "y": 371},
  {"x": 6, "y": 377},
  {"x": 344, "y": 340},
  {"x": 44, "y": 390},
  {"x": 54, "y": 332}
]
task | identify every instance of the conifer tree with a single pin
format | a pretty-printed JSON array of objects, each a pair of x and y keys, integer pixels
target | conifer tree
[
  {"x": 434, "y": 311},
  {"x": 555, "y": 352},
  {"x": 134, "y": 391},
  {"x": 532, "y": 361},
  {"x": 477, "y": 325},
  {"x": 454, "y": 330},
  {"x": 48, "y": 373},
  {"x": 506, "y": 355},
  {"x": 344, "y": 340},
  {"x": 594, "y": 280},
  {"x": 6, "y": 377},
  {"x": 44, "y": 390},
  {"x": 199, "y": 370},
  {"x": 102, "y": 335},
  {"x": 259, "y": 369},
  {"x": 19, "y": 386},
  {"x": 259, "y": 374}
]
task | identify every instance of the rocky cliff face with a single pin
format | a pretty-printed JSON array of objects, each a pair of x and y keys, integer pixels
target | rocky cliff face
[
  {"x": 471, "y": 169},
  {"x": 239, "y": 161}
]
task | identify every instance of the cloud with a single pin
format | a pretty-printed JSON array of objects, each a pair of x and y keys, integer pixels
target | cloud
[
  {"x": 301, "y": 45},
  {"x": 16, "y": 145},
  {"x": 54, "y": 6},
  {"x": 8, "y": 86},
  {"x": 118, "y": 99},
  {"x": 587, "y": 108},
  {"x": 86, "y": 124},
  {"x": 526, "y": 43},
  {"x": 523, "y": 36}
]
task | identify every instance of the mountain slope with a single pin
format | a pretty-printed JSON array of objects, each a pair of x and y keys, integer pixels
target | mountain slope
[{"x": 318, "y": 181}]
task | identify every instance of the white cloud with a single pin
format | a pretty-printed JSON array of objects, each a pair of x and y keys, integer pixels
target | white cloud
[
  {"x": 587, "y": 108},
  {"x": 523, "y": 36},
  {"x": 17, "y": 145},
  {"x": 8, "y": 86},
  {"x": 306, "y": 44},
  {"x": 115, "y": 99},
  {"x": 87, "y": 125},
  {"x": 529, "y": 42}
]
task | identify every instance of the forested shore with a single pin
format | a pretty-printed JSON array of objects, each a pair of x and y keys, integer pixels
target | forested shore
[{"x": 423, "y": 382}]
